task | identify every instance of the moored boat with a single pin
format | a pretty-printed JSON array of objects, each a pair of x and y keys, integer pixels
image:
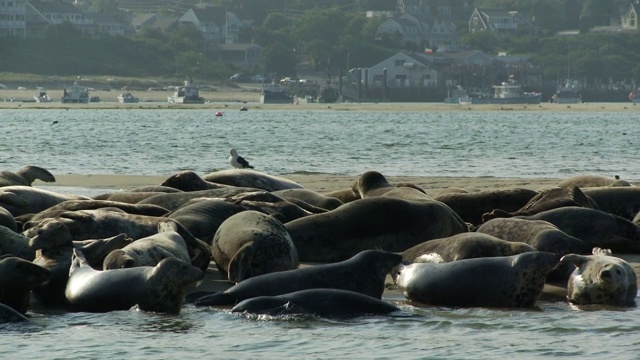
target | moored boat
[
  {"x": 567, "y": 93},
  {"x": 275, "y": 94},
  {"x": 508, "y": 92},
  {"x": 127, "y": 97},
  {"x": 76, "y": 94},
  {"x": 42, "y": 96},
  {"x": 186, "y": 94}
]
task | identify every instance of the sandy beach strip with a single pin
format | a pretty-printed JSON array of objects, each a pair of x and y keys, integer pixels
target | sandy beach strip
[{"x": 232, "y": 99}]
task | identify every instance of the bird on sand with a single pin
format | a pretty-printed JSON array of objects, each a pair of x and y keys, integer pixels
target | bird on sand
[{"x": 238, "y": 161}]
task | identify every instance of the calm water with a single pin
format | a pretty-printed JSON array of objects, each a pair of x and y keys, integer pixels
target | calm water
[{"x": 161, "y": 142}]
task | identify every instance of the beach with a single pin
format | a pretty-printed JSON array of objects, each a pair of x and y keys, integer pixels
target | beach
[{"x": 233, "y": 98}]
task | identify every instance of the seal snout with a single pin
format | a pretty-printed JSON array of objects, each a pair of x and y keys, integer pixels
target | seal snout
[{"x": 396, "y": 271}]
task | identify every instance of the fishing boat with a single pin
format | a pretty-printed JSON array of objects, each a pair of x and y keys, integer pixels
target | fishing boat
[
  {"x": 76, "y": 94},
  {"x": 127, "y": 97},
  {"x": 275, "y": 94},
  {"x": 186, "y": 94},
  {"x": 508, "y": 92},
  {"x": 567, "y": 94},
  {"x": 42, "y": 96}
]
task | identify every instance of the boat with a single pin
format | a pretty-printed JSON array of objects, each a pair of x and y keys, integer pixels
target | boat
[
  {"x": 508, "y": 92},
  {"x": 328, "y": 93},
  {"x": 455, "y": 95},
  {"x": 567, "y": 94},
  {"x": 42, "y": 96},
  {"x": 127, "y": 97},
  {"x": 632, "y": 96},
  {"x": 186, "y": 94},
  {"x": 76, "y": 94},
  {"x": 275, "y": 94}
]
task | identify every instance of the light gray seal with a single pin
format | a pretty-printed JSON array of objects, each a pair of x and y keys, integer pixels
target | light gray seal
[
  {"x": 583, "y": 181},
  {"x": 468, "y": 245},
  {"x": 601, "y": 279},
  {"x": 328, "y": 303},
  {"x": 150, "y": 250},
  {"x": 252, "y": 179},
  {"x": 504, "y": 281},
  {"x": 161, "y": 288},
  {"x": 25, "y": 176},
  {"x": 251, "y": 243},
  {"x": 384, "y": 223},
  {"x": 364, "y": 273}
]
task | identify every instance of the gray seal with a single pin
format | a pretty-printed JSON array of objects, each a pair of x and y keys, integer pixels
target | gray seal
[
  {"x": 18, "y": 277},
  {"x": 25, "y": 176},
  {"x": 384, "y": 223},
  {"x": 601, "y": 279},
  {"x": 329, "y": 303},
  {"x": 461, "y": 246},
  {"x": 505, "y": 281},
  {"x": 251, "y": 179},
  {"x": 583, "y": 181},
  {"x": 364, "y": 273},
  {"x": 251, "y": 243},
  {"x": 373, "y": 183},
  {"x": 189, "y": 181},
  {"x": 21, "y": 200},
  {"x": 161, "y": 288}
]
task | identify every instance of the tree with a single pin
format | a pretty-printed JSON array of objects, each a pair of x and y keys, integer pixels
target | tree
[
  {"x": 595, "y": 13},
  {"x": 482, "y": 40},
  {"x": 279, "y": 59}
]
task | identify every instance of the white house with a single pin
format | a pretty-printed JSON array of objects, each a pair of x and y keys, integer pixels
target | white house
[
  {"x": 403, "y": 70},
  {"x": 216, "y": 23}
]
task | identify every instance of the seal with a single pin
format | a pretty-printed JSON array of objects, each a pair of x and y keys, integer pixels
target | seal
[
  {"x": 364, "y": 273},
  {"x": 161, "y": 288},
  {"x": 9, "y": 314},
  {"x": 329, "y": 303},
  {"x": 12, "y": 243},
  {"x": 17, "y": 278},
  {"x": 189, "y": 181},
  {"x": 7, "y": 219},
  {"x": 310, "y": 197},
  {"x": 203, "y": 216},
  {"x": 270, "y": 204},
  {"x": 547, "y": 199},
  {"x": 251, "y": 243},
  {"x": 21, "y": 200},
  {"x": 384, "y": 223},
  {"x": 595, "y": 227},
  {"x": 373, "y": 183},
  {"x": 74, "y": 205},
  {"x": 621, "y": 201},
  {"x": 601, "y": 279},
  {"x": 583, "y": 181},
  {"x": 504, "y": 281},
  {"x": 149, "y": 251},
  {"x": 472, "y": 206},
  {"x": 173, "y": 201},
  {"x": 461, "y": 246},
  {"x": 251, "y": 179},
  {"x": 25, "y": 176}
]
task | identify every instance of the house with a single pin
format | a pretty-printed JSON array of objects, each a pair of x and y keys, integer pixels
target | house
[
  {"x": 500, "y": 22},
  {"x": 237, "y": 54},
  {"x": 403, "y": 70},
  {"x": 40, "y": 14},
  {"x": 216, "y": 23},
  {"x": 629, "y": 19},
  {"x": 12, "y": 19},
  {"x": 105, "y": 24}
]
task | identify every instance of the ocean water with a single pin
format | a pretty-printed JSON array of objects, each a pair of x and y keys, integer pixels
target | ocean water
[{"x": 161, "y": 142}]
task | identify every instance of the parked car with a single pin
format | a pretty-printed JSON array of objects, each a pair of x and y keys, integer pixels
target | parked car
[{"x": 258, "y": 79}]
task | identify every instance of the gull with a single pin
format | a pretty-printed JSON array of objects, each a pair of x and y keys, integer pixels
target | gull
[{"x": 238, "y": 161}]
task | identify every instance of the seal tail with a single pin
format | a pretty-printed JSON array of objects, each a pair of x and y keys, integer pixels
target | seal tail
[{"x": 217, "y": 298}]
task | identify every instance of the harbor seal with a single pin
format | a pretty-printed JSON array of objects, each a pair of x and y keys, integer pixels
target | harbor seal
[
  {"x": 173, "y": 201},
  {"x": 461, "y": 246},
  {"x": 251, "y": 243},
  {"x": 21, "y": 200},
  {"x": 75, "y": 205},
  {"x": 329, "y": 303},
  {"x": 203, "y": 216},
  {"x": 621, "y": 201},
  {"x": 505, "y": 281},
  {"x": 161, "y": 288},
  {"x": 310, "y": 197},
  {"x": 150, "y": 250},
  {"x": 25, "y": 176},
  {"x": 384, "y": 223},
  {"x": 583, "y": 181},
  {"x": 189, "y": 181},
  {"x": 601, "y": 279},
  {"x": 373, "y": 183},
  {"x": 251, "y": 179},
  {"x": 364, "y": 273}
]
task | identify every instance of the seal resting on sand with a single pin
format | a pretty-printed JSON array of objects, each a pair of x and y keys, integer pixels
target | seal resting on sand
[
  {"x": 601, "y": 279},
  {"x": 161, "y": 288},
  {"x": 364, "y": 273},
  {"x": 504, "y": 281},
  {"x": 251, "y": 179},
  {"x": 329, "y": 303},
  {"x": 25, "y": 176}
]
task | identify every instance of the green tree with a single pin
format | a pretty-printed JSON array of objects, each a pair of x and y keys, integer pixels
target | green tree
[
  {"x": 279, "y": 60},
  {"x": 481, "y": 40}
]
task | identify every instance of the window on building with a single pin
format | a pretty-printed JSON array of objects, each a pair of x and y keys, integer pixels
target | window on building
[{"x": 399, "y": 62}]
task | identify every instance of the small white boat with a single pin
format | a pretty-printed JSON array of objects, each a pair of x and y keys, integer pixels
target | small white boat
[
  {"x": 42, "y": 96},
  {"x": 187, "y": 94},
  {"x": 127, "y": 97},
  {"x": 76, "y": 94}
]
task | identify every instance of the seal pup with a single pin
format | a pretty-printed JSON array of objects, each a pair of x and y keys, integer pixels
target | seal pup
[
  {"x": 251, "y": 243},
  {"x": 25, "y": 176},
  {"x": 601, "y": 279},
  {"x": 328, "y": 303},
  {"x": 161, "y": 288},
  {"x": 461, "y": 246},
  {"x": 150, "y": 250},
  {"x": 505, "y": 281},
  {"x": 238, "y": 161},
  {"x": 364, "y": 273}
]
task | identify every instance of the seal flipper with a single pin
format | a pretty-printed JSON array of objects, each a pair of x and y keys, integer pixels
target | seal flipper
[
  {"x": 240, "y": 265},
  {"x": 218, "y": 298}
]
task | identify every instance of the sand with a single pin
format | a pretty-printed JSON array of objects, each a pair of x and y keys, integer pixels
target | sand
[{"x": 231, "y": 99}]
